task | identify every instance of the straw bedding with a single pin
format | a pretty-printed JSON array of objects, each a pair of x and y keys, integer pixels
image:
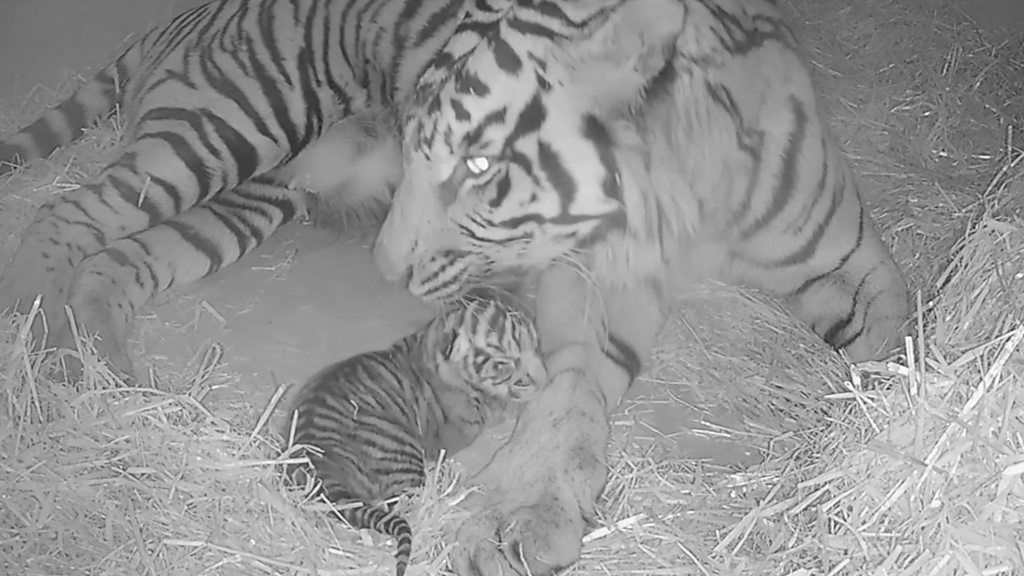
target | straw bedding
[{"x": 911, "y": 468}]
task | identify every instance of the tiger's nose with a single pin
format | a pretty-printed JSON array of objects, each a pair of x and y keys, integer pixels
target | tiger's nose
[
  {"x": 397, "y": 275},
  {"x": 391, "y": 268},
  {"x": 403, "y": 279}
]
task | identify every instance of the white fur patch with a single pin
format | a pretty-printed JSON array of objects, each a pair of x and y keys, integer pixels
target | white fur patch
[{"x": 355, "y": 164}]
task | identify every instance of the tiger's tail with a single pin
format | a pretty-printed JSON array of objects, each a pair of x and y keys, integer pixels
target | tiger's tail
[
  {"x": 386, "y": 522},
  {"x": 63, "y": 124}
]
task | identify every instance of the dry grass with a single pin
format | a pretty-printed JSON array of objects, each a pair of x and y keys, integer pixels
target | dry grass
[
  {"x": 99, "y": 478},
  {"x": 911, "y": 468}
]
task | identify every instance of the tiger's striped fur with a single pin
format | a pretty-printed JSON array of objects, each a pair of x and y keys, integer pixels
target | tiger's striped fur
[
  {"x": 626, "y": 148},
  {"x": 219, "y": 106},
  {"x": 377, "y": 417},
  {"x": 707, "y": 156}
]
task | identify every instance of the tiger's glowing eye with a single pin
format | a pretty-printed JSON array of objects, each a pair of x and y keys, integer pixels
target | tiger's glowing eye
[{"x": 478, "y": 164}]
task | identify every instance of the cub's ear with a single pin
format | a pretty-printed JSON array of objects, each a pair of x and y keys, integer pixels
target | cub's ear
[{"x": 613, "y": 61}]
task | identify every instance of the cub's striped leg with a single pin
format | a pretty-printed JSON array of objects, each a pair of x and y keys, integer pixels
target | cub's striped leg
[
  {"x": 541, "y": 487},
  {"x": 112, "y": 284}
]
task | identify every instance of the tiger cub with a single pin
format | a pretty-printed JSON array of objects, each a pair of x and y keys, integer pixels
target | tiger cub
[{"x": 375, "y": 419}]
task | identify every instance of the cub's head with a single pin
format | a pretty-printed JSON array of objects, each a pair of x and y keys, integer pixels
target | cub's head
[
  {"x": 487, "y": 345},
  {"x": 509, "y": 162}
]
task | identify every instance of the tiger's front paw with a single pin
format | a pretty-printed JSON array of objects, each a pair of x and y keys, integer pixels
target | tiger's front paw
[
  {"x": 539, "y": 490},
  {"x": 18, "y": 294},
  {"x": 98, "y": 316},
  {"x": 508, "y": 537}
]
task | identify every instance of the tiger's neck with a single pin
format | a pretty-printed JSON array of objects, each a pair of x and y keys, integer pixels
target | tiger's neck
[{"x": 379, "y": 48}]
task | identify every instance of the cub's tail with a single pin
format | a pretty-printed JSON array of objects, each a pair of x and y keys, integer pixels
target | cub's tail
[{"x": 386, "y": 522}]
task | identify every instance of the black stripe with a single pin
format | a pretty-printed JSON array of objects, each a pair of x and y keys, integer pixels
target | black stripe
[
  {"x": 326, "y": 48},
  {"x": 284, "y": 203},
  {"x": 233, "y": 92},
  {"x": 552, "y": 11},
  {"x": 135, "y": 198},
  {"x": 187, "y": 22},
  {"x": 275, "y": 99},
  {"x": 242, "y": 239},
  {"x": 787, "y": 179},
  {"x": 194, "y": 120},
  {"x": 461, "y": 113},
  {"x": 200, "y": 242},
  {"x": 242, "y": 151},
  {"x": 505, "y": 56},
  {"x": 314, "y": 112},
  {"x": 147, "y": 263},
  {"x": 840, "y": 264},
  {"x": 437, "y": 21},
  {"x": 476, "y": 28},
  {"x": 534, "y": 29},
  {"x": 820, "y": 192},
  {"x": 255, "y": 230},
  {"x": 172, "y": 193},
  {"x": 466, "y": 82},
  {"x": 501, "y": 189},
  {"x": 595, "y": 131},
  {"x": 123, "y": 260},
  {"x": 811, "y": 243},
  {"x": 184, "y": 151},
  {"x": 45, "y": 139},
  {"x": 623, "y": 355},
  {"x": 473, "y": 138},
  {"x": 557, "y": 174},
  {"x": 265, "y": 27},
  {"x": 832, "y": 335},
  {"x": 85, "y": 219},
  {"x": 530, "y": 119},
  {"x": 256, "y": 209},
  {"x": 76, "y": 115}
]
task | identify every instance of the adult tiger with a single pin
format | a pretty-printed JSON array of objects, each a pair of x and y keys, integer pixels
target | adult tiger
[{"x": 646, "y": 143}]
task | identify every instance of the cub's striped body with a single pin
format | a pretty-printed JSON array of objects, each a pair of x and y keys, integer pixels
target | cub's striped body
[
  {"x": 646, "y": 144},
  {"x": 221, "y": 107},
  {"x": 376, "y": 418}
]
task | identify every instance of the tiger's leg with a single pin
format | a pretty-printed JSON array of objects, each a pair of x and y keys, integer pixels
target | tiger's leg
[
  {"x": 112, "y": 284},
  {"x": 827, "y": 260},
  {"x": 541, "y": 487},
  {"x": 167, "y": 168}
]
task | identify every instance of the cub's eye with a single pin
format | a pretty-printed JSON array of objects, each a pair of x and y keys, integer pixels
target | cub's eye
[
  {"x": 502, "y": 367},
  {"x": 478, "y": 164}
]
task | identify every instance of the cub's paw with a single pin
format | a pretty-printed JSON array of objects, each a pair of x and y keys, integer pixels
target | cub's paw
[{"x": 539, "y": 490}]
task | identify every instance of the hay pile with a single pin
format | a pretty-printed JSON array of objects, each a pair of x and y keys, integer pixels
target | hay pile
[
  {"x": 98, "y": 478},
  {"x": 911, "y": 468}
]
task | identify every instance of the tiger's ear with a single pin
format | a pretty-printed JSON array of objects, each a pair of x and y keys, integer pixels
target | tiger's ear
[{"x": 612, "y": 63}]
